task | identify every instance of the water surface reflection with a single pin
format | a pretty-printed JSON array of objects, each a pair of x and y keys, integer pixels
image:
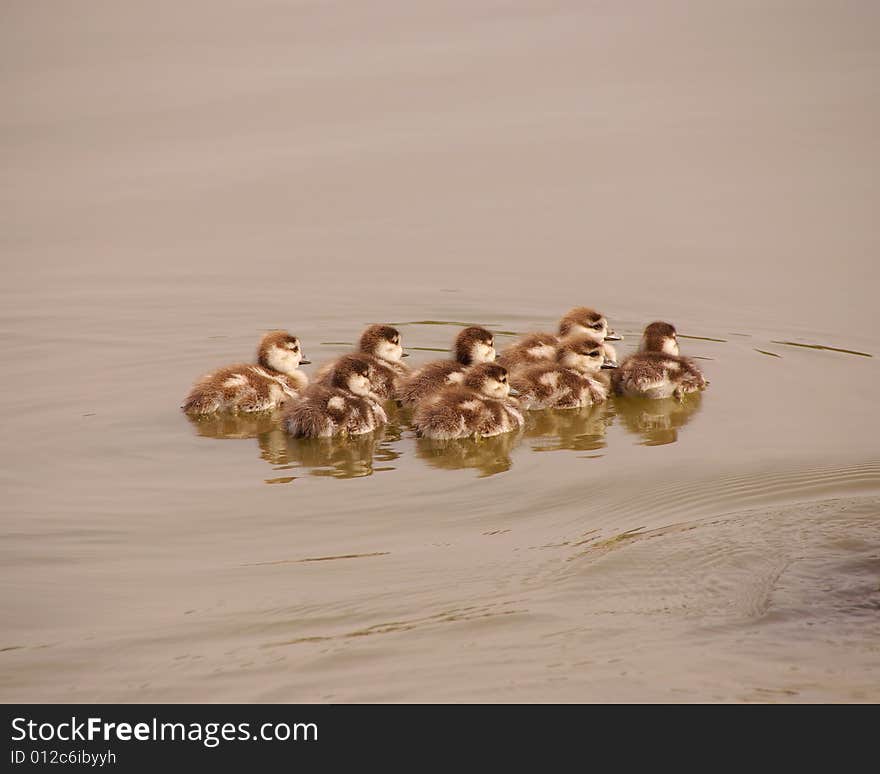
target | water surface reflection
[
  {"x": 230, "y": 426},
  {"x": 581, "y": 429},
  {"x": 657, "y": 421},
  {"x": 487, "y": 455},
  {"x": 339, "y": 457}
]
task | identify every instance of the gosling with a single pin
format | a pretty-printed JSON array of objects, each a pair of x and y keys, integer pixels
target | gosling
[
  {"x": 380, "y": 345},
  {"x": 473, "y": 345},
  {"x": 479, "y": 407},
  {"x": 658, "y": 370},
  {"x": 569, "y": 382},
  {"x": 347, "y": 406},
  {"x": 537, "y": 348},
  {"x": 267, "y": 385}
]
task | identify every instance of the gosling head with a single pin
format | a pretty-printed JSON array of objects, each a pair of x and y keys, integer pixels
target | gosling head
[
  {"x": 279, "y": 351},
  {"x": 352, "y": 373},
  {"x": 383, "y": 342},
  {"x": 610, "y": 359},
  {"x": 583, "y": 354},
  {"x": 660, "y": 337},
  {"x": 475, "y": 345},
  {"x": 489, "y": 379},
  {"x": 583, "y": 320}
]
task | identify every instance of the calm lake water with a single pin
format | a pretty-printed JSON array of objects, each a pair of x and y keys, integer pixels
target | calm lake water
[{"x": 179, "y": 180}]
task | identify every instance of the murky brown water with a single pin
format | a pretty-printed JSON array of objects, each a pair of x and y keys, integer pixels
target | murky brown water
[{"x": 180, "y": 179}]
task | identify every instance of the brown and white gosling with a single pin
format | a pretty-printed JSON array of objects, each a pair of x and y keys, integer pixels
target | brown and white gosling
[
  {"x": 536, "y": 348},
  {"x": 657, "y": 370},
  {"x": 569, "y": 382},
  {"x": 479, "y": 407},
  {"x": 273, "y": 380},
  {"x": 380, "y": 345},
  {"x": 347, "y": 405},
  {"x": 473, "y": 345}
]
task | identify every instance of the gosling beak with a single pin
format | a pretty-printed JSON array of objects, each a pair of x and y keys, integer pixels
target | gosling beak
[
  {"x": 612, "y": 336},
  {"x": 514, "y": 393},
  {"x": 404, "y": 354},
  {"x": 609, "y": 364},
  {"x": 305, "y": 362}
]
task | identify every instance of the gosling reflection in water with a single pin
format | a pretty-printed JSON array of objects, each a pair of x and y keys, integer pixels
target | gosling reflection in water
[
  {"x": 228, "y": 426},
  {"x": 657, "y": 421},
  {"x": 486, "y": 455},
  {"x": 337, "y": 457},
  {"x": 354, "y": 456},
  {"x": 580, "y": 429}
]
